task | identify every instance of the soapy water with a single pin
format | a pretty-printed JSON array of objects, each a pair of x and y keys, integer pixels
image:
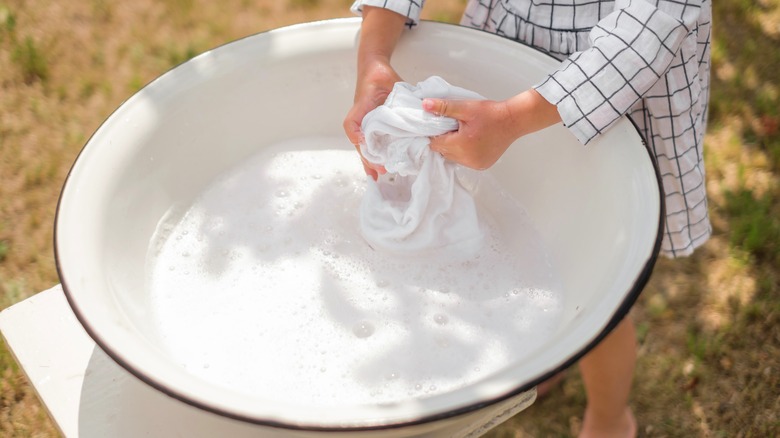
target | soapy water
[{"x": 265, "y": 286}]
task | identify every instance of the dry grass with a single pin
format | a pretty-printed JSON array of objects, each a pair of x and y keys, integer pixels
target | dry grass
[{"x": 709, "y": 325}]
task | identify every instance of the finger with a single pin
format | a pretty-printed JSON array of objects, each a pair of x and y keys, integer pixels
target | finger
[
  {"x": 437, "y": 143},
  {"x": 367, "y": 166},
  {"x": 445, "y": 107},
  {"x": 371, "y": 169},
  {"x": 370, "y": 172},
  {"x": 444, "y": 145},
  {"x": 375, "y": 168},
  {"x": 452, "y": 148},
  {"x": 352, "y": 129}
]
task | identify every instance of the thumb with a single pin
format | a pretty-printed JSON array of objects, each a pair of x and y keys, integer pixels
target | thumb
[
  {"x": 444, "y": 107},
  {"x": 352, "y": 129}
]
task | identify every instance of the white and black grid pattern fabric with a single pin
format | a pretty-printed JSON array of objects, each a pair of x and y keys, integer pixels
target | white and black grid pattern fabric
[
  {"x": 409, "y": 8},
  {"x": 648, "y": 59}
]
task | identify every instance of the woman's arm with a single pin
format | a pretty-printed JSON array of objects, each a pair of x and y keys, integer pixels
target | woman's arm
[
  {"x": 379, "y": 34},
  {"x": 631, "y": 50}
]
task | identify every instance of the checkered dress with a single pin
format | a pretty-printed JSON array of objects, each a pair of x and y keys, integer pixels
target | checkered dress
[{"x": 648, "y": 59}]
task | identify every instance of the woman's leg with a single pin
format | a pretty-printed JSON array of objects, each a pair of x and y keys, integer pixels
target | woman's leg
[{"x": 607, "y": 371}]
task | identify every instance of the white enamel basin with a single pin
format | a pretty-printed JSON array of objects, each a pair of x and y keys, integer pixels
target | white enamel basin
[{"x": 597, "y": 208}]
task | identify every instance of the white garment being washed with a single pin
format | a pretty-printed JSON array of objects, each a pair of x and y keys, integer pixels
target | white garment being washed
[{"x": 419, "y": 205}]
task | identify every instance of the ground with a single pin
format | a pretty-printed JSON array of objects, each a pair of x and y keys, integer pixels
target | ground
[{"x": 709, "y": 325}]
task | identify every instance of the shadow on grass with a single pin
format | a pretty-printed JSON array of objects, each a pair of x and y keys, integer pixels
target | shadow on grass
[
  {"x": 746, "y": 59},
  {"x": 746, "y": 55}
]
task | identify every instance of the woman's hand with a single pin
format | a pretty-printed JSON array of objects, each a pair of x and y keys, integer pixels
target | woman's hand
[
  {"x": 374, "y": 84},
  {"x": 379, "y": 34},
  {"x": 487, "y": 128}
]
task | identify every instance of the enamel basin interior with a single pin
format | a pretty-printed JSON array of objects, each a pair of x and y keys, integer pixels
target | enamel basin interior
[{"x": 597, "y": 207}]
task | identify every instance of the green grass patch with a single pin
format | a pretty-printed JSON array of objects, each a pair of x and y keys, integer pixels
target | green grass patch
[
  {"x": 657, "y": 305},
  {"x": 101, "y": 10},
  {"x": 773, "y": 149},
  {"x": 642, "y": 329},
  {"x": 7, "y": 21},
  {"x": 696, "y": 344},
  {"x": 12, "y": 292},
  {"x": 136, "y": 83},
  {"x": 182, "y": 6},
  {"x": 73, "y": 137},
  {"x": 30, "y": 60},
  {"x": 41, "y": 172},
  {"x": 767, "y": 100},
  {"x": 755, "y": 226},
  {"x": 87, "y": 89},
  {"x": 703, "y": 346},
  {"x": 4, "y": 248},
  {"x": 177, "y": 56}
]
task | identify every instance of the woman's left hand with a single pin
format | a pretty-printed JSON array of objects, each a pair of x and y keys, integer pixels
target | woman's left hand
[{"x": 487, "y": 128}]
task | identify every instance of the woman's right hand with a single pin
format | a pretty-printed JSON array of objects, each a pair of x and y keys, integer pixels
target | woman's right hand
[
  {"x": 379, "y": 34},
  {"x": 374, "y": 84}
]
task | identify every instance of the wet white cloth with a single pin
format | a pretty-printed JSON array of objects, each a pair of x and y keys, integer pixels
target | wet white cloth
[{"x": 420, "y": 204}]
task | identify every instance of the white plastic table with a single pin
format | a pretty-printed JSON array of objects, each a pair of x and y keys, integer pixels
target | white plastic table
[{"x": 88, "y": 395}]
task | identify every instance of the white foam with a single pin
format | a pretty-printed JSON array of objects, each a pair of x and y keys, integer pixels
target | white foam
[{"x": 265, "y": 286}]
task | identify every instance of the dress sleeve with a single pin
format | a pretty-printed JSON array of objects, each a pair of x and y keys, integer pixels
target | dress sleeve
[
  {"x": 631, "y": 49},
  {"x": 408, "y": 8}
]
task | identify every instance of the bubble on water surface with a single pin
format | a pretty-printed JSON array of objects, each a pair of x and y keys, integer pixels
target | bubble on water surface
[
  {"x": 278, "y": 295},
  {"x": 363, "y": 329}
]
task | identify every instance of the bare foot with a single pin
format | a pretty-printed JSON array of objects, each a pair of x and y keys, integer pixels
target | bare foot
[{"x": 622, "y": 427}]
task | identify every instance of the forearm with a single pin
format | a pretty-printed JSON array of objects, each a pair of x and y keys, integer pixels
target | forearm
[
  {"x": 379, "y": 34},
  {"x": 530, "y": 112}
]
